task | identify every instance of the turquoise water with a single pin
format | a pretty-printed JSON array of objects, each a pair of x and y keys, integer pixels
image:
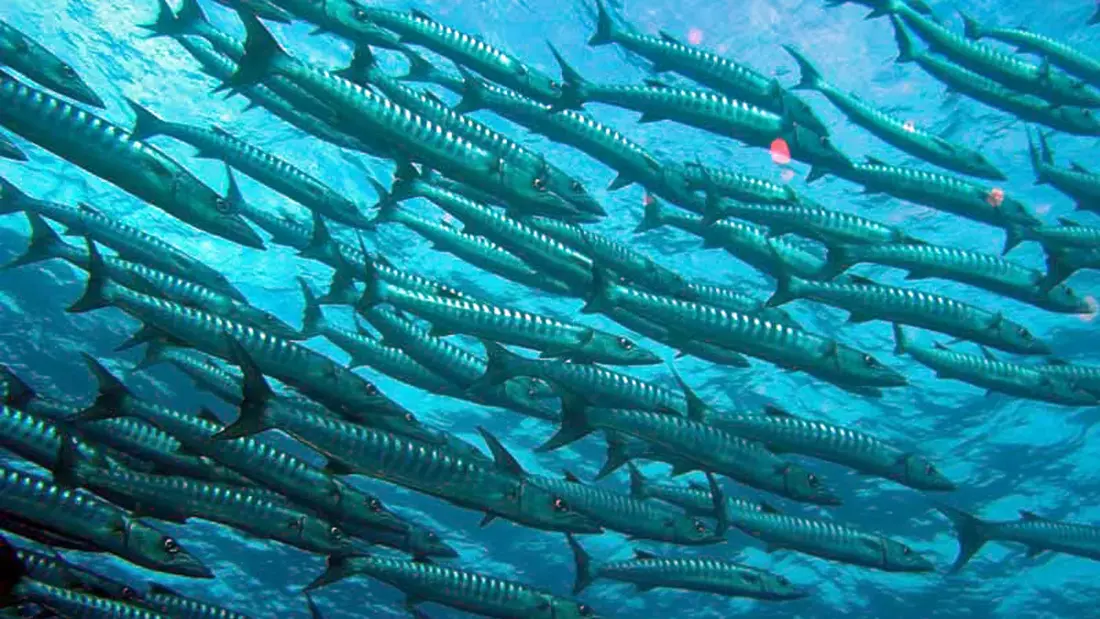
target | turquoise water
[{"x": 1007, "y": 454}]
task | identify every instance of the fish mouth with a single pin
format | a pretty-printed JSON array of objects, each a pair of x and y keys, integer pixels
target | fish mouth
[
  {"x": 235, "y": 229},
  {"x": 192, "y": 568},
  {"x": 84, "y": 94}
]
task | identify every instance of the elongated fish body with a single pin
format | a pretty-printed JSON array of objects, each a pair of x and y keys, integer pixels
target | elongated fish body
[
  {"x": 87, "y": 518},
  {"x": 130, "y": 243},
  {"x": 614, "y": 256},
  {"x": 986, "y": 371},
  {"x": 461, "y": 367},
  {"x": 1083, "y": 376},
  {"x": 625, "y": 448},
  {"x": 753, "y": 244},
  {"x": 1062, "y": 55},
  {"x": 1076, "y": 182},
  {"x": 775, "y": 342},
  {"x": 1076, "y": 120},
  {"x": 164, "y": 600},
  {"x": 277, "y": 173},
  {"x": 730, "y": 299},
  {"x": 694, "y": 499},
  {"x": 783, "y": 432},
  {"x": 814, "y": 222},
  {"x": 657, "y": 332},
  {"x": 823, "y": 538},
  {"x": 549, "y": 335},
  {"x": 202, "y": 369},
  {"x": 78, "y": 604},
  {"x": 108, "y": 152},
  {"x": 866, "y": 301},
  {"x": 1037, "y": 533},
  {"x": 741, "y": 187},
  {"x": 475, "y": 593},
  {"x": 1010, "y": 70},
  {"x": 942, "y": 192},
  {"x": 704, "y": 446},
  {"x": 598, "y": 386},
  {"x": 629, "y": 516},
  {"x": 985, "y": 271},
  {"x": 31, "y": 59},
  {"x": 37, "y": 439},
  {"x": 468, "y": 51},
  {"x": 899, "y": 133},
  {"x": 345, "y": 18},
  {"x": 262, "y": 8},
  {"x": 283, "y": 227},
  {"x": 51, "y": 569}
]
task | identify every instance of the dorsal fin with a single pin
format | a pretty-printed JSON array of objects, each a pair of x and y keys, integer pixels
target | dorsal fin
[
  {"x": 696, "y": 408},
  {"x": 656, "y": 83},
  {"x": 1076, "y": 167},
  {"x": 774, "y": 411},
  {"x": 208, "y": 415},
  {"x": 668, "y": 37},
  {"x": 875, "y": 160},
  {"x": 570, "y": 477},
  {"x": 861, "y": 280},
  {"x": 1057, "y": 361},
  {"x": 1029, "y": 515},
  {"x": 940, "y": 346},
  {"x": 421, "y": 15},
  {"x": 643, "y": 555},
  {"x": 505, "y": 461},
  {"x": 768, "y": 508},
  {"x": 160, "y": 589},
  {"x": 1069, "y": 223},
  {"x": 988, "y": 354},
  {"x": 694, "y": 485}
]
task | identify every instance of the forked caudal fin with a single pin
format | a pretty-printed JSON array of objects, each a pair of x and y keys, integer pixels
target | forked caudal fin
[
  {"x": 605, "y": 27},
  {"x": 257, "y": 396},
  {"x": 969, "y": 531},
  {"x": 583, "y": 563},
  {"x": 260, "y": 52},
  {"x": 44, "y": 244},
  {"x": 574, "y": 424},
  {"x": 811, "y": 77}
]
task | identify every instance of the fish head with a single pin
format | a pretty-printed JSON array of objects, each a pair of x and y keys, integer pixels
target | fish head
[
  {"x": 897, "y": 557},
  {"x": 801, "y": 113},
  {"x": 376, "y": 512},
  {"x": 1023, "y": 339},
  {"x": 550, "y": 510},
  {"x": 777, "y": 587},
  {"x": 1067, "y": 299},
  {"x": 152, "y": 548},
  {"x": 559, "y": 608},
  {"x": 60, "y": 76},
  {"x": 691, "y": 531},
  {"x": 816, "y": 149},
  {"x": 574, "y": 192},
  {"x": 1084, "y": 120},
  {"x": 1067, "y": 391},
  {"x": 204, "y": 208},
  {"x": 978, "y": 165},
  {"x": 919, "y": 472},
  {"x": 536, "y": 84},
  {"x": 530, "y": 394},
  {"x": 424, "y": 541},
  {"x": 267, "y": 322},
  {"x": 807, "y": 486},
  {"x": 613, "y": 350},
  {"x": 871, "y": 371},
  {"x": 320, "y": 535}
]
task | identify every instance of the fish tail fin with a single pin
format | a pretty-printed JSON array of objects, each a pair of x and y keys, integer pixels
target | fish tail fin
[
  {"x": 583, "y": 564},
  {"x": 154, "y": 355},
  {"x": 44, "y": 244},
  {"x": 359, "y": 69},
  {"x": 19, "y": 393},
  {"x": 1044, "y": 149},
  {"x": 837, "y": 260},
  {"x": 501, "y": 365},
  {"x": 599, "y": 297},
  {"x": 1058, "y": 270},
  {"x": 256, "y": 396},
  {"x": 811, "y": 77},
  {"x": 320, "y": 241},
  {"x": 618, "y": 455},
  {"x": 387, "y": 207},
  {"x": 420, "y": 69},
  {"x": 907, "y": 51},
  {"x": 1037, "y": 156},
  {"x": 110, "y": 395},
  {"x": 261, "y": 50},
  {"x": 233, "y": 195},
  {"x": 95, "y": 291},
  {"x": 337, "y": 568},
  {"x": 473, "y": 95},
  {"x": 574, "y": 87},
  {"x": 605, "y": 27},
  {"x": 146, "y": 123},
  {"x": 313, "y": 319},
  {"x": 9, "y": 150},
  {"x": 12, "y": 198},
  {"x": 653, "y": 217},
  {"x": 314, "y": 610},
  {"x": 70, "y": 466},
  {"x": 374, "y": 289},
  {"x": 166, "y": 24},
  {"x": 786, "y": 285},
  {"x": 971, "y": 28},
  {"x": 1014, "y": 235},
  {"x": 574, "y": 424},
  {"x": 12, "y": 570},
  {"x": 970, "y": 532},
  {"x": 341, "y": 287},
  {"x": 638, "y": 481},
  {"x": 901, "y": 341}
]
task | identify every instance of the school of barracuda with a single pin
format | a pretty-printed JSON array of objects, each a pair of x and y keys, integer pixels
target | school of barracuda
[{"x": 96, "y": 475}]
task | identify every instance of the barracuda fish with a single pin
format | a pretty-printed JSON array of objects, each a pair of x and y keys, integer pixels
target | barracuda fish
[
  {"x": 1062, "y": 55},
  {"x": 784, "y": 432},
  {"x": 657, "y": 332},
  {"x": 37, "y": 439},
  {"x": 950, "y": 194},
  {"x": 462, "y": 368},
  {"x": 895, "y": 131},
  {"x": 828, "y": 540},
  {"x": 693, "y": 498},
  {"x": 315, "y": 375},
  {"x": 812, "y": 221},
  {"x": 1037, "y": 533},
  {"x": 365, "y": 71},
  {"x": 469, "y": 51},
  {"x": 1010, "y": 70},
  {"x": 164, "y": 600},
  {"x": 969, "y": 267},
  {"x": 1083, "y": 376},
  {"x": 1076, "y": 120},
  {"x": 33, "y": 531},
  {"x": 368, "y": 351},
  {"x": 708, "y": 111},
  {"x": 498, "y": 489},
  {"x": 988, "y": 372},
  {"x": 747, "y": 242},
  {"x": 730, "y": 78},
  {"x": 62, "y": 602},
  {"x": 98, "y": 522},
  {"x": 647, "y": 571},
  {"x": 8, "y": 150},
  {"x": 413, "y": 136},
  {"x": 263, "y": 9},
  {"x": 552, "y": 337},
  {"x": 46, "y": 245},
  {"x": 597, "y": 385},
  {"x": 624, "y": 514},
  {"x": 1068, "y": 235},
  {"x": 129, "y": 242},
  {"x": 345, "y": 18},
  {"x": 276, "y": 173},
  {"x": 105, "y": 150},
  {"x": 31, "y": 59},
  {"x": 775, "y": 342},
  {"x": 622, "y": 449},
  {"x": 866, "y": 300},
  {"x": 455, "y": 588},
  {"x": 1062, "y": 263},
  {"x": 725, "y": 183},
  {"x": 51, "y": 569},
  {"x": 249, "y": 510},
  {"x": 1077, "y": 182},
  {"x": 200, "y": 368},
  {"x": 614, "y": 256},
  {"x": 730, "y": 299},
  {"x": 476, "y": 250},
  {"x": 699, "y": 445}
]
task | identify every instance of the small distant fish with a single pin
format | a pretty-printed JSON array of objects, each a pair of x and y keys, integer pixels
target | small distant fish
[
  {"x": 1078, "y": 182},
  {"x": 30, "y": 58},
  {"x": 1062, "y": 55},
  {"x": 1037, "y": 533}
]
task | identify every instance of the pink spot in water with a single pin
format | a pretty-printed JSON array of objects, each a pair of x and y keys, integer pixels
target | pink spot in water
[
  {"x": 910, "y": 126},
  {"x": 1042, "y": 209},
  {"x": 648, "y": 199},
  {"x": 695, "y": 36},
  {"x": 1093, "y": 308},
  {"x": 996, "y": 197},
  {"x": 787, "y": 175},
  {"x": 448, "y": 219},
  {"x": 781, "y": 152},
  {"x": 722, "y": 48}
]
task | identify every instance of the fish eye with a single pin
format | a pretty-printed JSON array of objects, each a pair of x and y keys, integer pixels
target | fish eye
[
  {"x": 625, "y": 344},
  {"x": 576, "y": 186},
  {"x": 929, "y": 469},
  {"x": 1024, "y": 333},
  {"x": 336, "y": 533},
  {"x": 359, "y": 14},
  {"x": 539, "y": 184},
  {"x": 409, "y": 418},
  {"x": 68, "y": 71},
  {"x": 370, "y": 389},
  {"x": 128, "y": 593},
  {"x": 825, "y": 141},
  {"x": 521, "y": 70},
  {"x": 432, "y": 536},
  {"x": 699, "y": 526},
  {"x": 586, "y": 610},
  {"x": 374, "y": 505},
  {"x": 752, "y": 579},
  {"x": 871, "y": 362},
  {"x": 782, "y": 580},
  {"x": 905, "y": 550},
  {"x": 554, "y": 85},
  {"x": 813, "y": 480},
  {"x": 223, "y": 206},
  {"x": 560, "y": 505},
  {"x": 170, "y": 546}
]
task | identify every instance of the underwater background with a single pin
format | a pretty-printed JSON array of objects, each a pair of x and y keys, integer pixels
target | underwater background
[{"x": 1006, "y": 454}]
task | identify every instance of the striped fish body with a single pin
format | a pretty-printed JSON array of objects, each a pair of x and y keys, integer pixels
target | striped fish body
[
  {"x": 699, "y": 574},
  {"x": 80, "y": 605},
  {"x": 37, "y": 439},
  {"x": 814, "y": 222},
  {"x": 985, "y": 271},
  {"x": 202, "y": 369},
  {"x": 164, "y": 600},
  {"x": 869, "y": 301},
  {"x": 283, "y": 228},
  {"x": 1041, "y": 534},
  {"x": 753, "y": 245},
  {"x": 740, "y": 187},
  {"x": 50, "y": 569},
  {"x": 1084, "y": 376},
  {"x": 693, "y": 499},
  {"x": 351, "y": 262},
  {"x": 345, "y": 18},
  {"x": 827, "y": 540},
  {"x": 783, "y": 432},
  {"x": 1066, "y": 236},
  {"x": 657, "y": 332},
  {"x": 1077, "y": 182},
  {"x": 110, "y": 153},
  {"x": 730, "y": 299},
  {"x": 468, "y": 51},
  {"x": 30, "y": 58},
  {"x": 1063, "y": 55}
]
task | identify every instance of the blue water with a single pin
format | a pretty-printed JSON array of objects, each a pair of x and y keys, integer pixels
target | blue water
[{"x": 1008, "y": 454}]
